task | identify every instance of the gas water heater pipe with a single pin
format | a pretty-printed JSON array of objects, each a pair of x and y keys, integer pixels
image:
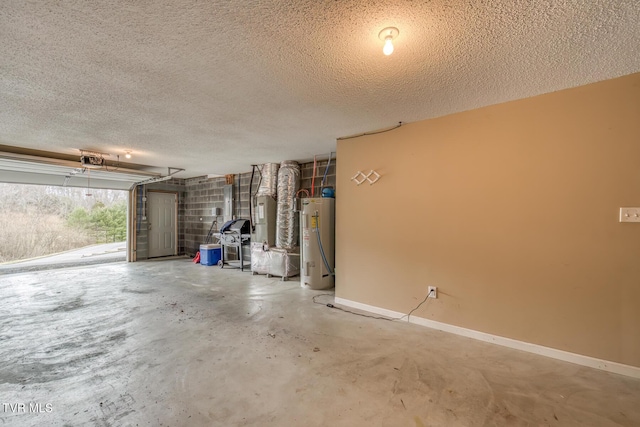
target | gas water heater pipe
[
  {"x": 313, "y": 180},
  {"x": 324, "y": 257},
  {"x": 324, "y": 178}
]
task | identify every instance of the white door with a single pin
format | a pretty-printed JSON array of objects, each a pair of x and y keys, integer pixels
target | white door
[{"x": 162, "y": 224}]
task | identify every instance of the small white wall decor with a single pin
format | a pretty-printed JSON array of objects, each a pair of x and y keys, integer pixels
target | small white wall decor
[{"x": 360, "y": 177}]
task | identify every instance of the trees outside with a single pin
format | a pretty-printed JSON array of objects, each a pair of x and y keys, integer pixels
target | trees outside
[
  {"x": 42, "y": 220},
  {"x": 105, "y": 224}
]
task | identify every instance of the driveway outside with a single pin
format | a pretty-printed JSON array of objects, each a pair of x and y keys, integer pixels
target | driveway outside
[{"x": 95, "y": 254}]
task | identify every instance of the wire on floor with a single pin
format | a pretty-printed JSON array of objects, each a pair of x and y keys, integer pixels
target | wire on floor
[
  {"x": 346, "y": 311},
  {"x": 391, "y": 319}
]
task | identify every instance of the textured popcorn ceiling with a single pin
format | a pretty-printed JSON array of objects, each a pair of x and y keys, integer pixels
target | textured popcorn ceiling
[{"x": 214, "y": 86}]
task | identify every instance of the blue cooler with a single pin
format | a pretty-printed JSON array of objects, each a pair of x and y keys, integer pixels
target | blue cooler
[{"x": 210, "y": 254}]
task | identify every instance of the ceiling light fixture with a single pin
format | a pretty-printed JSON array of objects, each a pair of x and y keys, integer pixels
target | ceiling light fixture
[
  {"x": 388, "y": 34},
  {"x": 127, "y": 154}
]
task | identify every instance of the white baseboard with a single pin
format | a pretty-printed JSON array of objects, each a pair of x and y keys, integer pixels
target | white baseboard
[{"x": 579, "y": 359}]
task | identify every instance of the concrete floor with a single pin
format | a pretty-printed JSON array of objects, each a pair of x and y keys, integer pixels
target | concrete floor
[{"x": 173, "y": 343}]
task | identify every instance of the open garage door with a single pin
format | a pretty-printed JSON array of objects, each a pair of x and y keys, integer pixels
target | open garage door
[
  {"x": 51, "y": 169},
  {"x": 30, "y": 169},
  {"x": 47, "y": 226}
]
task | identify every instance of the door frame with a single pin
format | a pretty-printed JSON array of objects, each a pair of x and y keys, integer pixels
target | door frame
[
  {"x": 177, "y": 198},
  {"x": 132, "y": 217}
]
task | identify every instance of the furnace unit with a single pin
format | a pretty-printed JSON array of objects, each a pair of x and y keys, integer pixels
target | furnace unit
[{"x": 265, "y": 221}]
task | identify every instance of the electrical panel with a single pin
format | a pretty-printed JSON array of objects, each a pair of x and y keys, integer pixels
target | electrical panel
[{"x": 227, "y": 191}]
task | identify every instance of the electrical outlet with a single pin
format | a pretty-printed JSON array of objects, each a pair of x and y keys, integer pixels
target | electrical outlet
[
  {"x": 629, "y": 214},
  {"x": 433, "y": 292}
]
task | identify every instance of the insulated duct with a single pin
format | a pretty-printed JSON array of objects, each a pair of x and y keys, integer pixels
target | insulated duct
[
  {"x": 287, "y": 218},
  {"x": 269, "y": 180}
]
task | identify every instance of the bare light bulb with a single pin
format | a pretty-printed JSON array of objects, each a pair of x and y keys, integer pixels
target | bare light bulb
[
  {"x": 387, "y": 35},
  {"x": 388, "y": 46},
  {"x": 128, "y": 155}
]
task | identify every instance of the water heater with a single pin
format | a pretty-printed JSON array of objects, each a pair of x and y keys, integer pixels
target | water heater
[{"x": 317, "y": 231}]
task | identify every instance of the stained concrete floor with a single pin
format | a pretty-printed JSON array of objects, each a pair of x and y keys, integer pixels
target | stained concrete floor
[{"x": 176, "y": 344}]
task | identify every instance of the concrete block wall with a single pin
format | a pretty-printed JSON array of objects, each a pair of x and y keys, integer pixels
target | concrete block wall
[
  {"x": 197, "y": 196},
  {"x": 141, "y": 225},
  {"x": 307, "y": 173},
  {"x": 241, "y": 193},
  {"x": 202, "y": 194}
]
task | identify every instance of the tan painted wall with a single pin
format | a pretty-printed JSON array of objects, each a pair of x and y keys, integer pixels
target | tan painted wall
[{"x": 512, "y": 211}]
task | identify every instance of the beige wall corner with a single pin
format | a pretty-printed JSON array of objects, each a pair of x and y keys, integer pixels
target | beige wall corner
[{"x": 512, "y": 212}]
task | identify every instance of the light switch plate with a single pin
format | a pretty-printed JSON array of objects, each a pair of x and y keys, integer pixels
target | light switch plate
[{"x": 629, "y": 214}]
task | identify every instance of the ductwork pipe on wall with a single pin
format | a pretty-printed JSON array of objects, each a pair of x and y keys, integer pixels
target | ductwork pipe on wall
[
  {"x": 287, "y": 217},
  {"x": 269, "y": 180}
]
